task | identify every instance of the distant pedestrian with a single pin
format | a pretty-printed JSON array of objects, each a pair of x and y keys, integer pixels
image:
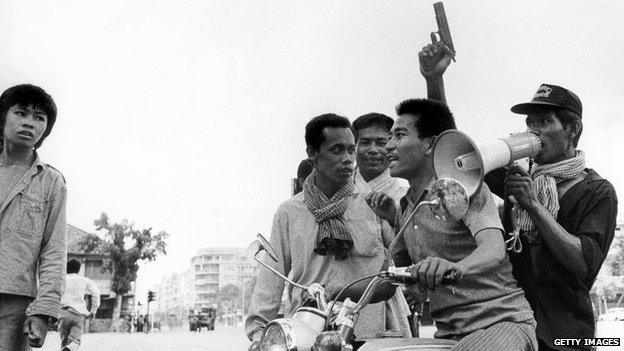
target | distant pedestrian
[
  {"x": 74, "y": 307},
  {"x": 33, "y": 247}
]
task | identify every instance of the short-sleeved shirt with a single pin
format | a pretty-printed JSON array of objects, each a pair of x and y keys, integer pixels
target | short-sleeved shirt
[
  {"x": 294, "y": 236},
  {"x": 477, "y": 301},
  {"x": 563, "y": 308},
  {"x": 393, "y": 187}
]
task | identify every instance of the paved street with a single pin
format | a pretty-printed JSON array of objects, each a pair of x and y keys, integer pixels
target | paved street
[{"x": 224, "y": 339}]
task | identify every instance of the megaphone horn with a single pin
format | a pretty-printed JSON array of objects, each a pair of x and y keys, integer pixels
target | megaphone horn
[{"x": 456, "y": 156}]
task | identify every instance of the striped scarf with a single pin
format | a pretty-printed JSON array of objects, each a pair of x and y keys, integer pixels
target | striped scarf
[
  {"x": 545, "y": 180},
  {"x": 333, "y": 235}
]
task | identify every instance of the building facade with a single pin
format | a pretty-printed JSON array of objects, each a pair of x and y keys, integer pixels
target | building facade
[
  {"x": 174, "y": 296},
  {"x": 213, "y": 268}
]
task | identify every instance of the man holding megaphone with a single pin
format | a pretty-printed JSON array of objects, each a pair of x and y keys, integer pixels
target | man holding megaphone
[
  {"x": 560, "y": 214},
  {"x": 565, "y": 214}
]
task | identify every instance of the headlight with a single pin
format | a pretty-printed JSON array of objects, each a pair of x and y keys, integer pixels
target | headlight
[{"x": 278, "y": 336}]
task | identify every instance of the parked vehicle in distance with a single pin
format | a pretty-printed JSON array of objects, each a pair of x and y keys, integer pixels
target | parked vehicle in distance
[{"x": 613, "y": 314}]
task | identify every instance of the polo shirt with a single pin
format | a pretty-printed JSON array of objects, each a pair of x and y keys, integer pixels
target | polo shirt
[{"x": 477, "y": 301}]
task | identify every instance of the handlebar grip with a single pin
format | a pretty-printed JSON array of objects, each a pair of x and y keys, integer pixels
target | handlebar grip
[{"x": 401, "y": 274}]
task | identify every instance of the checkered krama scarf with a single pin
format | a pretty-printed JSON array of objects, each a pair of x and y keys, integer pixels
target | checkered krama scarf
[
  {"x": 545, "y": 180},
  {"x": 333, "y": 235}
]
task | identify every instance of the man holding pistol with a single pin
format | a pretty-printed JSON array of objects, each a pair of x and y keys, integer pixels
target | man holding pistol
[
  {"x": 561, "y": 215},
  {"x": 485, "y": 309}
]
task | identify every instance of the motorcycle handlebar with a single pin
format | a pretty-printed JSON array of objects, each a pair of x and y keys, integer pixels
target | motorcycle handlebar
[{"x": 401, "y": 275}]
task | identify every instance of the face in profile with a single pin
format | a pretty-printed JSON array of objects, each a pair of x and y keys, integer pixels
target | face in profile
[{"x": 406, "y": 150}]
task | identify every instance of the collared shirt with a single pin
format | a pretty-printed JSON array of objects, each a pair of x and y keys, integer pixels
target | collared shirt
[
  {"x": 394, "y": 187},
  {"x": 76, "y": 287},
  {"x": 561, "y": 301},
  {"x": 33, "y": 249},
  {"x": 293, "y": 237},
  {"x": 477, "y": 301}
]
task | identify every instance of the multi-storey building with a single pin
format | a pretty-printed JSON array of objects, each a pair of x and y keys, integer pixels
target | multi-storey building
[
  {"x": 174, "y": 296},
  {"x": 214, "y": 268}
]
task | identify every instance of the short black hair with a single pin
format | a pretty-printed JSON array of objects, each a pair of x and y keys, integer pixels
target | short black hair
[
  {"x": 372, "y": 119},
  {"x": 434, "y": 117},
  {"x": 73, "y": 266},
  {"x": 24, "y": 95},
  {"x": 567, "y": 117},
  {"x": 314, "y": 129}
]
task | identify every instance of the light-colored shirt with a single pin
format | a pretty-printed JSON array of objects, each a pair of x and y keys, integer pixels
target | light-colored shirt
[
  {"x": 396, "y": 188},
  {"x": 293, "y": 237},
  {"x": 477, "y": 301},
  {"x": 33, "y": 248},
  {"x": 76, "y": 287}
]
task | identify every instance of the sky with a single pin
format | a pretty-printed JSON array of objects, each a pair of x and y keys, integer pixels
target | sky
[{"x": 188, "y": 116}]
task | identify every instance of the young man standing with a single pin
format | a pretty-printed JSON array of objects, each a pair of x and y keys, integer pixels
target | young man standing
[
  {"x": 326, "y": 234},
  {"x": 32, "y": 220},
  {"x": 74, "y": 307},
  {"x": 485, "y": 310}
]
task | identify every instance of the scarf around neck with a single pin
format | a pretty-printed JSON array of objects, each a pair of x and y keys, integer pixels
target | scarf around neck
[
  {"x": 333, "y": 235},
  {"x": 545, "y": 180}
]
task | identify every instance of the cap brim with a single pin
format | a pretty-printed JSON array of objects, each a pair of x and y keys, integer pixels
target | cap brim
[{"x": 529, "y": 107}]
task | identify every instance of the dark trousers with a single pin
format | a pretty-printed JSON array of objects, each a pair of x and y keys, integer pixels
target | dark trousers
[{"x": 12, "y": 318}]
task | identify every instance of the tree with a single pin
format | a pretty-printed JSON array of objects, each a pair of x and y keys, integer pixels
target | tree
[
  {"x": 229, "y": 296},
  {"x": 125, "y": 247}
]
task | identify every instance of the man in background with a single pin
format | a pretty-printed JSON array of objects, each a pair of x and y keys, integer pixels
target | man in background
[{"x": 74, "y": 307}]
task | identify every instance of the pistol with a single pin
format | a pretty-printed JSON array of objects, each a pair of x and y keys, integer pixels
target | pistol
[{"x": 443, "y": 27}]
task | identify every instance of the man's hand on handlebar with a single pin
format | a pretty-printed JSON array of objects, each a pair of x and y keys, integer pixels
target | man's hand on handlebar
[{"x": 430, "y": 272}]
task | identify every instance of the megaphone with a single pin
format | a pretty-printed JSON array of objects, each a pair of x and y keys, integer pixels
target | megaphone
[{"x": 456, "y": 156}]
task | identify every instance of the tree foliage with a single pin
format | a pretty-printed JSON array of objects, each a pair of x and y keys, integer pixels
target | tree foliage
[
  {"x": 229, "y": 296},
  {"x": 125, "y": 247}
]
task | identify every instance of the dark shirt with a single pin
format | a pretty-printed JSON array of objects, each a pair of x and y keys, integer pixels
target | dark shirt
[{"x": 560, "y": 299}]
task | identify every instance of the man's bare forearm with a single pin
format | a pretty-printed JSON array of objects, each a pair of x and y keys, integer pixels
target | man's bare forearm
[
  {"x": 490, "y": 252},
  {"x": 435, "y": 89},
  {"x": 562, "y": 244}
]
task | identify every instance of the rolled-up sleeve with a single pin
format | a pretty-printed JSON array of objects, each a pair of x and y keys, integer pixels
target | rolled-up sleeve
[
  {"x": 267, "y": 296},
  {"x": 52, "y": 257},
  {"x": 482, "y": 213}
]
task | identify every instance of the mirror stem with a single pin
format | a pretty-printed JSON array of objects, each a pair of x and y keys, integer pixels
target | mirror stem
[
  {"x": 280, "y": 274},
  {"x": 409, "y": 219}
]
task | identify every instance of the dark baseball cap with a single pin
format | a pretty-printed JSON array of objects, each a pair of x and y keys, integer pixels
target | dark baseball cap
[{"x": 551, "y": 96}]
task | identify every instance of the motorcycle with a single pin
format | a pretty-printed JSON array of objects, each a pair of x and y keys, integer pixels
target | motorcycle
[{"x": 328, "y": 326}]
